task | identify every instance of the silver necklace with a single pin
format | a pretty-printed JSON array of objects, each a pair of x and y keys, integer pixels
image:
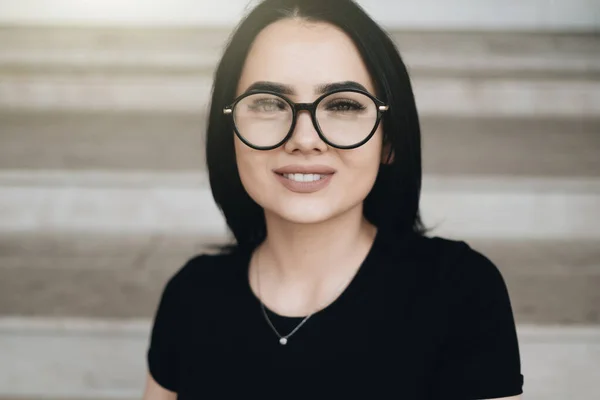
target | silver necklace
[{"x": 283, "y": 339}]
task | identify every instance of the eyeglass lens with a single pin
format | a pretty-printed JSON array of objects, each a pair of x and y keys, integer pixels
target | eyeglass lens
[{"x": 344, "y": 118}]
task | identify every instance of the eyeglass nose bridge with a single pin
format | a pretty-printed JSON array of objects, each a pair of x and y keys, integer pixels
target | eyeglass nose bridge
[{"x": 311, "y": 108}]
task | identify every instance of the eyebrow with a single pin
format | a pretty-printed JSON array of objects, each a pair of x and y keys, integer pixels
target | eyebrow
[{"x": 319, "y": 89}]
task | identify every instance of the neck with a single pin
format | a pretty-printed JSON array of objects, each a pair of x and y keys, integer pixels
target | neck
[{"x": 315, "y": 252}]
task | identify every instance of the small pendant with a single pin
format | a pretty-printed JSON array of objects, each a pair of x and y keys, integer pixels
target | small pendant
[{"x": 283, "y": 341}]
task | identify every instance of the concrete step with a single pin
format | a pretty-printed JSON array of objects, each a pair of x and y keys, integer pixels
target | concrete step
[
  {"x": 121, "y": 276},
  {"x": 171, "y": 142},
  {"x": 198, "y": 48},
  {"x": 454, "y": 95},
  {"x": 103, "y": 141},
  {"x": 101, "y": 202},
  {"x": 454, "y": 73},
  {"x": 76, "y": 359}
]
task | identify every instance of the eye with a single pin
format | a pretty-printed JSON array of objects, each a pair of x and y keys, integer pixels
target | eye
[
  {"x": 267, "y": 105},
  {"x": 344, "y": 105}
]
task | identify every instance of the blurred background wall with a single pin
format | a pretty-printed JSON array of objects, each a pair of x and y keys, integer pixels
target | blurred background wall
[
  {"x": 103, "y": 193},
  {"x": 434, "y": 14}
]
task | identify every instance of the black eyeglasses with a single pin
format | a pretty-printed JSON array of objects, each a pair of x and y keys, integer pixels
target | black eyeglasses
[{"x": 343, "y": 118}]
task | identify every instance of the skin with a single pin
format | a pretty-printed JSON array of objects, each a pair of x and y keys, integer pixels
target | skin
[
  {"x": 302, "y": 270},
  {"x": 298, "y": 273}
]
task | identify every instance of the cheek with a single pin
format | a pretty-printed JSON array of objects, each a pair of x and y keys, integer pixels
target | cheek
[
  {"x": 361, "y": 168},
  {"x": 361, "y": 174},
  {"x": 365, "y": 160},
  {"x": 251, "y": 166}
]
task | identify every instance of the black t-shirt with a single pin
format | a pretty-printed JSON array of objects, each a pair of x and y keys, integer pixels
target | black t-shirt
[{"x": 423, "y": 318}]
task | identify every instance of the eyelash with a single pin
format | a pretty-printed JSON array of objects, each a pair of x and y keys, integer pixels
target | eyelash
[
  {"x": 346, "y": 103},
  {"x": 279, "y": 104}
]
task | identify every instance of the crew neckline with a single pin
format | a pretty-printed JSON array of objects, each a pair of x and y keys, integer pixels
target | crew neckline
[{"x": 358, "y": 282}]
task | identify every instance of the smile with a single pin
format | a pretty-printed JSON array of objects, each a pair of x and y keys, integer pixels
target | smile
[
  {"x": 304, "y": 183},
  {"x": 304, "y": 177}
]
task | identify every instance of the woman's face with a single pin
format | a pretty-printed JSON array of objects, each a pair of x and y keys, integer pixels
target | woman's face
[{"x": 303, "y": 57}]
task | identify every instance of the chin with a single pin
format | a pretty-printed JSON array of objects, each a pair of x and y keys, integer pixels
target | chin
[
  {"x": 304, "y": 212},
  {"x": 303, "y": 217}
]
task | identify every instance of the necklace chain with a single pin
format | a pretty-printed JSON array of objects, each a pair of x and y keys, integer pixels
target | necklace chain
[{"x": 283, "y": 339}]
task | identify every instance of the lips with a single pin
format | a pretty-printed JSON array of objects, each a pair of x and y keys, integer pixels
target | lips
[
  {"x": 305, "y": 169},
  {"x": 305, "y": 186},
  {"x": 324, "y": 172}
]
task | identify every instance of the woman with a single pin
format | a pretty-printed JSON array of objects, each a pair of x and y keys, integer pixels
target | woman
[{"x": 314, "y": 157}]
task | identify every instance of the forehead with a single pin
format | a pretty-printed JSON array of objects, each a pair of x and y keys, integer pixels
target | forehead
[{"x": 304, "y": 55}]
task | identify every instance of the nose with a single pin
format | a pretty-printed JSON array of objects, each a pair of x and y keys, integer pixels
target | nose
[{"x": 305, "y": 137}]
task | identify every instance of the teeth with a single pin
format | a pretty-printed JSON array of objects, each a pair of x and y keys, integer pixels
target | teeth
[{"x": 303, "y": 177}]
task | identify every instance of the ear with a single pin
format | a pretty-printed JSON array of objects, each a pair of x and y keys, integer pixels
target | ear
[{"x": 387, "y": 154}]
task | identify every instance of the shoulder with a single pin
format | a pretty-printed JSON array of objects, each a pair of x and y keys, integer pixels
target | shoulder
[
  {"x": 452, "y": 264},
  {"x": 203, "y": 273},
  {"x": 466, "y": 280},
  {"x": 458, "y": 260}
]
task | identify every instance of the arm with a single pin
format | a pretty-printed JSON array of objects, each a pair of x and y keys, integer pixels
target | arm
[
  {"x": 154, "y": 391},
  {"x": 480, "y": 357},
  {"x": 163, "y": 355}
]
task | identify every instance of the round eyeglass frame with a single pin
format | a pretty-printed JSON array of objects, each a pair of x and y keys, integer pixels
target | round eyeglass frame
[{"x": 312, "y": 109}]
